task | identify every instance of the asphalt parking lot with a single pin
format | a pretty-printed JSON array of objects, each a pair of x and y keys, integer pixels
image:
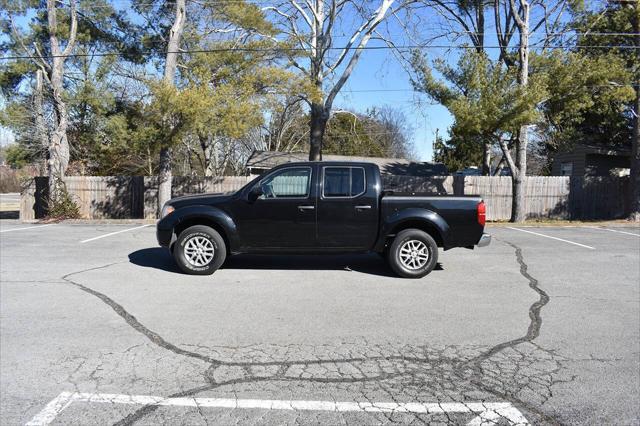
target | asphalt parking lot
[{"x": 99, "y": 327}]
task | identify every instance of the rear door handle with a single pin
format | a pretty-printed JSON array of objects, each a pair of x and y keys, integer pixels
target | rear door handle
[
  {"x": 363, "y": 207},
  {"x": 303, "y": 208}
]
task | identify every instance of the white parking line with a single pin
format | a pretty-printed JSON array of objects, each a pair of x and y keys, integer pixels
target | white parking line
[
  {"x": 614, "y": 230},
  {"x": 553, "y": 238},
  {"x": 27, "y": 228},
  {"x": 113, "y": 233},
  {"x": 491, "y": 412}
]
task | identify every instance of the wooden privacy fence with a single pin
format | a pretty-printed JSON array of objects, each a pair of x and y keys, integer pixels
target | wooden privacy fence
[
  {"x": 120, "y": 197},
  {"x": 555, "y": 197}
]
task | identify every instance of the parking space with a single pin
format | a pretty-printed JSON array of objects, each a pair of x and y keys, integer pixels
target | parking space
[
  {"x": 99, "y": 327},
  {"x": 585, "y": 237}
]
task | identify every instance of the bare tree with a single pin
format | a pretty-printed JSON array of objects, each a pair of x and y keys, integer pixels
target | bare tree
[
  {"x": 388, "y": 126},
  {"x": 517, "y": 16},
  {"x": 51, "y": 68},
  {"x": 311, "y": 25},
  {"x": 58, "y": 143},
  {"x": 170, "y": 66},
  {"x": 634, "y": 190},
  {"x": 521, "y": 14},
  {"x": 284, "y": 132}
]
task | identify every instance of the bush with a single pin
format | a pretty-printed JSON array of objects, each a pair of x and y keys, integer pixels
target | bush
[{"x": 62, "y": 206}]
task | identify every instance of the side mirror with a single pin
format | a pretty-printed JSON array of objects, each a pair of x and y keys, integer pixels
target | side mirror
[{"x": 255, "y": 193}]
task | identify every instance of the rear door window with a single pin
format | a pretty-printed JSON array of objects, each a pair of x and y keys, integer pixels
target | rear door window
[{"x": 343, "y": 182}]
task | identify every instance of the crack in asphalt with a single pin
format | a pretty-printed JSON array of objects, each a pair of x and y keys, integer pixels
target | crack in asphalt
[
  {"x": 131, "y": 320},
  {"x": 407, "y": 367},
  {"x": 533, "y": 331}
]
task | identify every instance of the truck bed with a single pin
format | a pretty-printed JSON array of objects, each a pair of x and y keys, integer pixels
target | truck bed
[{"x": 457, "y": 212}]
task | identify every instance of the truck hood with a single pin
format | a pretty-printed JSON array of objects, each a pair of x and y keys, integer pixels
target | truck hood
[{"x": 195, "y": 199}]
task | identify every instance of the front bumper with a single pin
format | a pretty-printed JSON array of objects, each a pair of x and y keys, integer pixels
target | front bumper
[
  {"x": 164, "y": 236},
  {"x": 485, "y": 240}
]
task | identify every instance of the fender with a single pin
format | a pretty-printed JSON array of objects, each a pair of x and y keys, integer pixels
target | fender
[
  {"x": 415, "y": 214},
  {"x": 206, "y": 214}
]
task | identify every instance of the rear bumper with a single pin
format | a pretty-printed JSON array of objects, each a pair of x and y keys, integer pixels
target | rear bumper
[{"x": 485, "y": 240}]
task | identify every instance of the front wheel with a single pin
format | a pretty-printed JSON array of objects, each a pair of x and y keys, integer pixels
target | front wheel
[
  {"x": 199, "y": 250},
  {"x": 413, "y": 253}
]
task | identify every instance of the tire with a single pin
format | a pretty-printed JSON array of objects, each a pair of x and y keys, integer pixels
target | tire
[
  {"x": 203, "y": 238},
  {"x": 407, "y": 252}
]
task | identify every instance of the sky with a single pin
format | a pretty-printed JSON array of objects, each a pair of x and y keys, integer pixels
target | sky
[
  {"x": 378, "y": 80},
  {"x": 381, "y": 80}
]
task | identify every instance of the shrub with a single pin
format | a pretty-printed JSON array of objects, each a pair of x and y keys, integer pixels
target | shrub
[{"x": 62, "y": 206}]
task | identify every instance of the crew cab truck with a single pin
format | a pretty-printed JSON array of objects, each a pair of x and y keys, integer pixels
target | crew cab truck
[{"x": 320, "y": 208}]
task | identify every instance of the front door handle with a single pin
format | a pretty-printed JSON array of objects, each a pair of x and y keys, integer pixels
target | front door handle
[
  {"x": 303, "y": 208},
  {"x": 363, "y": 207}
]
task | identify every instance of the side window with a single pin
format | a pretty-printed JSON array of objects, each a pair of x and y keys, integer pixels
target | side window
[
  {"x": 343, "y": 181},
  {"x": 288, "y": 183}
]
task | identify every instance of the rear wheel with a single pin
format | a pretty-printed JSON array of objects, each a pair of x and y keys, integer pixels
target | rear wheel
[
  {"x": 199, "y": 250},
  {"x": 413, "y": 253}
]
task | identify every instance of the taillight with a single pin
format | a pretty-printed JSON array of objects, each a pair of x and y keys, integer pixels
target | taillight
[{"x": 482, "y": 213}]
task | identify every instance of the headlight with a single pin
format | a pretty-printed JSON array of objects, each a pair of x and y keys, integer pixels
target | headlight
[{"x": 167, "y": 209}]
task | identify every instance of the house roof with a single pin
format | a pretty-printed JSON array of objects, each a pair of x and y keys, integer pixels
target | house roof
[
  {"x": 263, "y": 160},
  {"x": 594, "y": 148}
]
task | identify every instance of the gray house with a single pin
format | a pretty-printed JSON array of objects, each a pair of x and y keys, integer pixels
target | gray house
[
  {"x": 261, "y": 161},
  {"x": 592, "y": 160}
]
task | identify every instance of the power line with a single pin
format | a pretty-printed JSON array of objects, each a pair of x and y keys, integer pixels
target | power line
[
  {"x": 112, "y": 6},
  {"x": 569, "y": 32},
  {"x": 197, "y": 2},
  {"x": 300, "y": 49}
]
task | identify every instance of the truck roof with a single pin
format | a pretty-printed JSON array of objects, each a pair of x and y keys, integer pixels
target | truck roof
[{"x": 330, "y": 163}]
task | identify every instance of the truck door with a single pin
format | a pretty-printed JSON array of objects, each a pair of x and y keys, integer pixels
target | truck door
[
  {"x": 347, "y": 209},
  {"x": 284, "y": 216}
]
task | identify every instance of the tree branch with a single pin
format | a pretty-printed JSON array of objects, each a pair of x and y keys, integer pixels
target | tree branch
[
  {"x": 74, "y": 29},
  {"x": 507, "y": 155},
  {"x": 372, "y": 24}
]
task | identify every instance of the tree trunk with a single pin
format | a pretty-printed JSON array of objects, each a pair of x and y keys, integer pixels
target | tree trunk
[
  {"x": 171, "y": 64},
  {"x": 634, "y": 187},
  {"x": 164, "y": 177},
  {"x": 319, "y": 118},
  {"x": 58, "y": 143},
  {"x": 518, "y": 200},
  {"x": 41, "y": 128},
  {"x": 518, "y": 176},
  {"x": 499, "y": 166},
  {"x": 207, "y": 146},
  {"x": 486, "y": 160}
]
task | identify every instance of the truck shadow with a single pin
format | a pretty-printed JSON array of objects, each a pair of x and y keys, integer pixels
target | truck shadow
[
  {"x": 156, "y": 258},
  {"x": 160, "y": 258}
]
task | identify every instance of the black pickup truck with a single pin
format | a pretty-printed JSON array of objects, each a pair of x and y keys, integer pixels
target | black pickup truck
[{"x": 320, "y": 207}]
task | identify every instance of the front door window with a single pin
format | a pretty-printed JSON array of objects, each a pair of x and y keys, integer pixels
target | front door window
[{"x": 288, "y": 183}]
